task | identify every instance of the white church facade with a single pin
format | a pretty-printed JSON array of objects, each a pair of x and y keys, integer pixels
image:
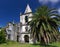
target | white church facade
[{"x": 20, "y": 32}]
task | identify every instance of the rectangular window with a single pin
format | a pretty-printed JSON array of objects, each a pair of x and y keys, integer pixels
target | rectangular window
[
  {"x": 26, "y": 28},
  {"x": 9, "y": 30},
  {"x": 26, "y": 18},
  {"x": 9, "y": 36}
]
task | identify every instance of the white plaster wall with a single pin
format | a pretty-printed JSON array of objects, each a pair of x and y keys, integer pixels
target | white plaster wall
[
  {"x": 12, "y": 37},
  {"x": 10, "y": 26},
  {"x": 29, "y": 19},
  {"x": 23, "y": 28},
  {"x": 22, "y": 19},
  {"x": 11, "y": 32},
  {"x": 22, "y": 38},
  {"x": 28, "y": 27},
  {"x": 8, "y": 31}
]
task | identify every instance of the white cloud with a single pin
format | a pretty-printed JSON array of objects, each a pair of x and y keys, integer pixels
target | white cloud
[
  {"x": 59, "y": 10},
  {"x": 43, "y": 1},
  {"x": 47, "y": 1},
  {"x": 54, "y": 1},
  {"x": 53, "y": 16}
]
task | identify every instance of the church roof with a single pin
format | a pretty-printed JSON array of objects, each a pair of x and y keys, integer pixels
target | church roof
[{"x": 28, "y": 9}]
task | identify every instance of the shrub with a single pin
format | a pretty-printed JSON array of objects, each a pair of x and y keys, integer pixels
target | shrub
[{"x": 2, "y": 36}]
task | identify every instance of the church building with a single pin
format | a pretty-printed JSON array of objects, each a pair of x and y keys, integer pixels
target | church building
[{"x": 20, "y": 32}]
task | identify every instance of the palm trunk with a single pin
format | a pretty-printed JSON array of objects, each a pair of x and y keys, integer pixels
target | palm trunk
[{"x": 47, "y": 38}]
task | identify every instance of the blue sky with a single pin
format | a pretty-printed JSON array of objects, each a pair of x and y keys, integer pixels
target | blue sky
[{"x": 10, "y": 9}]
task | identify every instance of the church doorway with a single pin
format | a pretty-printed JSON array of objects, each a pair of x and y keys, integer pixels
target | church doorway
[
  {"x": 26, "y": 38},
  {"x": 17, "y": 38}
]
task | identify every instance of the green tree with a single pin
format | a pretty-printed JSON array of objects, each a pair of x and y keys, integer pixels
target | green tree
[
  {"x": 44, "y": 24},
  {"x": 2, "y": 36}
]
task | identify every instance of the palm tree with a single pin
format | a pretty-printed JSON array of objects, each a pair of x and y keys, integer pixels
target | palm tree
[{"x": 44, "y": 24}]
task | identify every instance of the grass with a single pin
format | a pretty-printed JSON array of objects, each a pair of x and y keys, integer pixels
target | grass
[{"x": 16, "y": 44}]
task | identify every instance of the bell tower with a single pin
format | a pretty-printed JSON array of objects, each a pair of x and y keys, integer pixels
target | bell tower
[{"x": 24, "y": 19}]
